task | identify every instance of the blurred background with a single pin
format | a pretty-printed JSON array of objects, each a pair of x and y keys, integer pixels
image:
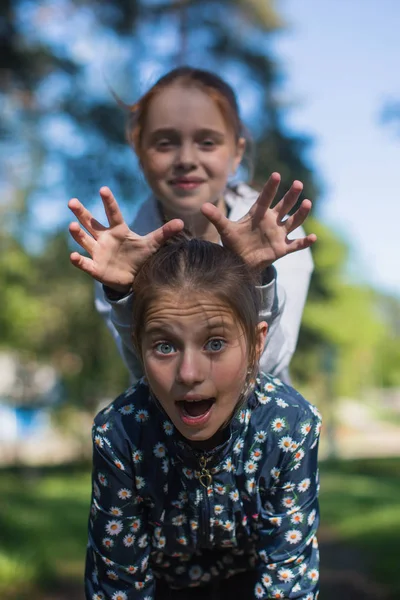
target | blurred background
[{"x": 317, "y": 91}]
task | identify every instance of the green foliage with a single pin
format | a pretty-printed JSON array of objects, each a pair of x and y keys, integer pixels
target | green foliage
[{"x": 360, "y": 502}]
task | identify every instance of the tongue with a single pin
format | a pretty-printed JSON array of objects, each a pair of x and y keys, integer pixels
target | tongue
[{"x": 196, "y": 409}]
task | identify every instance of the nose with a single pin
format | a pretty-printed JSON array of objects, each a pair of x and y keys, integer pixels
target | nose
[
  {"x": 191, "y": 368},
  {"x": 186, "y": 158}
]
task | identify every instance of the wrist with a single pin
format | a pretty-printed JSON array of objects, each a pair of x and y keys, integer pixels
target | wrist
[{"x": 116, "y": 294}]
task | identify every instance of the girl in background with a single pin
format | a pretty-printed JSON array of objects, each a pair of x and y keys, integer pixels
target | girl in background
[
  {"x": 205, "y": 477},
  {"x": 188, "y": 136}
]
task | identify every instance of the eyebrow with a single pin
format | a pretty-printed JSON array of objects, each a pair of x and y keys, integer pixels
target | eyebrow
[
  {"x": 170, "y": 131},
  {"x": 166, "y": 329}
]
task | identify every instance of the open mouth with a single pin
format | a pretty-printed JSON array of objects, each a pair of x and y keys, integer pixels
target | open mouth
[{"x": 195, "y": 412}]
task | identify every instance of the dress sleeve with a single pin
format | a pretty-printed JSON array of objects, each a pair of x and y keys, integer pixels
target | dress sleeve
[
  {"x": 117, "y": 560},
  {"x": 288, "y": 557},
  {"x": 117, "y": 315}
]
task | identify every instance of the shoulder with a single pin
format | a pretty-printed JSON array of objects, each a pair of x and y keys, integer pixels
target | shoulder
[
  {"x": 240, "y": 198},
  {"x": 283, "y": 407},
  {"x": 126, "y": 415}
]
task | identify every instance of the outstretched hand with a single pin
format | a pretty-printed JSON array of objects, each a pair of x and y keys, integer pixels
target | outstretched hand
[
  {"x": 116, "y": 252},
  {"x": 261, "y": 236}
]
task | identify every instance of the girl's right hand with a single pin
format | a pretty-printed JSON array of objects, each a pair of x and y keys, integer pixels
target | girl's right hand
[{"x": 116, "y": 252}]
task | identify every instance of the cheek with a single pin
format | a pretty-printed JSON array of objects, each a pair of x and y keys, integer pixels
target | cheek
[{"x": 155, "y": 164}]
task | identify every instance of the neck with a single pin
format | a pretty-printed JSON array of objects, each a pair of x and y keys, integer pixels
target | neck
[{"x": 199, "y": 225}]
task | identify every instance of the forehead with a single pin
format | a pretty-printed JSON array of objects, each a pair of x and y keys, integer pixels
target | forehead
[
  {"x": 189, "y": 309},
  {"x": 181, "y": 107}
]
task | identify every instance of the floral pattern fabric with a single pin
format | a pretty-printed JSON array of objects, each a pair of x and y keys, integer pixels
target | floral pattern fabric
[{"x": 163, "y": 510}]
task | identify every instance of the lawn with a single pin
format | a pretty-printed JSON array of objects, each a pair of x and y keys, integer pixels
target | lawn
[
  {"x": 43, "y": 518},
  {"x": 360, "y": 501}
]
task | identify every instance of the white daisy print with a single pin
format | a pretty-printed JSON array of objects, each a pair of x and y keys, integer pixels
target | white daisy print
[
  {"x": 135, "y": 525},
  {"x": 228, "y": 525},
  {"x": 278, "y": 424},
  {"x": 168, "y": 427},
  {"x": 124, "y": 494},
  {"x": 304, "y": 485},
  {"x": 305, "y": 428},
  {"x": 281, "y": 403},
  {"x": 127, "y": 409},
  {"x": 195, "y": 572},
  {"x": 128, "y": 540},
  {"x": 219, "y": 489},
  {"x": 114, "y": 527},
  {"x": 275, "y": 473},
  {"x": 102, "y": 479},
  {"x": 297, "y": 518},
  {"x": 313, "y": 575},
  {"x": 287, "y": 502},
  {"x": 268, "y": 387},
  {"x": 234, "y": 495},
  {"x": 293, "y": 536},
  {"x": 260, "y": 436},
  {"x": 137, "y": 456},
  {"x": 98, "y": 440},
  {"x": 250, "y": 467},
  {"x": 119, "y": 596},
  {"x": 142, "y": 541},
  {"x": 179, "y": 520},
  {"x": 285, "y": 574},
  {"x": 263, "y": 398},
  {"x": 188, "y": 472},
  {"x": 259, "y": 591},
  {"x": 299, "y": 454},
  {"x": 131, "y": 569},
  {"x": 160, "y": 450},
  {"x": 107, "y": 542},
  {"x": 256, "y": 454},
  {"x": 251, "y": 485},
  {"x": 276, "y": 593},
  {"x": 119, "y": 464},
  {"x": 218, "y": 509},
  {"x": 112, "y": 575},
  {"x": 117, "y": 512},
  {"x": 275, "y": 521},
  {"x": 142, "y": 416},
  {"x": 165, "y": 466},
  {"x": 139, "y": 482},
  {"x": 266, "y": 580},
  {"x": 285, "y": 443},
  {"x": 238, "y": 446},
  {"x": 311, "y": 517},
  {"x": 228, "y": 465}
]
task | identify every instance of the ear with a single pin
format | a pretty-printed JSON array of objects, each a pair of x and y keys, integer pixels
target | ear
[
  {"x": 240, "y": 149},
  {"x": 261, "y": 334}
]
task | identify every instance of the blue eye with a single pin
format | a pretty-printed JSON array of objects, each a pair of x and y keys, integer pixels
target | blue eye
[
  {"x": 164, "y": 348},
  {"x": 215, "y": 345}
]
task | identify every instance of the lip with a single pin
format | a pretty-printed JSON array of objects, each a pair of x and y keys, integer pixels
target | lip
[
  {"x": 194, "y": 421},
  {"x": 186, "y": 183}
]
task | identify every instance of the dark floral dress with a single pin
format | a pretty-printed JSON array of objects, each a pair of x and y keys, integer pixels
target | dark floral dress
[{"x": 163, "y": 511}]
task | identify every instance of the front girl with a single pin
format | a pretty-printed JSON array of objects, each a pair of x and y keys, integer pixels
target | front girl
[{"x": 205, "y": 473}]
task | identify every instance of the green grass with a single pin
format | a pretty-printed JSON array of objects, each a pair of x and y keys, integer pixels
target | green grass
[
  {"x": 360, "y": 502},
  {"x": 43, "y": 524},
  {"x": 43, "y": 521}
]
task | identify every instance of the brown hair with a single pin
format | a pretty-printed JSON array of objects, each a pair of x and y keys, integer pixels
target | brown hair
[
  {"x": 186, "y": 263},
  {"x": 220, "y": 91}
]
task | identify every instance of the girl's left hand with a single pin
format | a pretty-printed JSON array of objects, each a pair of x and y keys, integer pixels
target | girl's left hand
[{"x": 261, "y": 236}]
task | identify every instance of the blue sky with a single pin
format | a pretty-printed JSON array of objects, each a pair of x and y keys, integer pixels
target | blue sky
[{"x": 341, "y": 60}]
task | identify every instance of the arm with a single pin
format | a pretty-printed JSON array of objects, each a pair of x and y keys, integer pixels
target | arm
[
  {"x": 117, "y": 558},
  {"x": 282, "y": 308},
  {"x": 288, "y": 557},
  {"x": 261, "y": 237},
  {"x": 117, "y": 315}
]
